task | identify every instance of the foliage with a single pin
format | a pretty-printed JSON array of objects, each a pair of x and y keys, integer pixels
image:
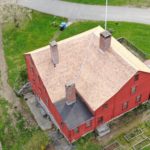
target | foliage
[
  {"x": 15, "y": 133},
  {"x": 88, "y": 142}
]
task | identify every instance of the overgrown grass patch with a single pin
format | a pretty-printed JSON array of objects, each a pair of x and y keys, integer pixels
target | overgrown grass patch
[
  {"x": 15, "y": 134},
  {"x": 88, "y": 142},
  {"x": 31, "y": 35}
]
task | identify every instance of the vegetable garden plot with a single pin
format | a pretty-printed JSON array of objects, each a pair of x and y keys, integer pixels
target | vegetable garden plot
[
  {"x": 113, "y": 146},
  {"x": 142, "y": 145},
  {"x": 133, "y": 133}
]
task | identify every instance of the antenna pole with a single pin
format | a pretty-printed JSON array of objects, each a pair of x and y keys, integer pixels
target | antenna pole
[{"x": 106, "y": 11}]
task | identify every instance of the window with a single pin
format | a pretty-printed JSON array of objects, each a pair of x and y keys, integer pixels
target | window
[
  {"x": 76, "y": 130},
  {"x": 133, "y": 90},
  {"x": 125, "y": 106},
  {"x": 138, "y": 98},
  {"x": 105, "y": 106},
  {"x": 136, "y": 77},
  {"x": 88, "y": 123},
  {"x": 100, "y": 120}
]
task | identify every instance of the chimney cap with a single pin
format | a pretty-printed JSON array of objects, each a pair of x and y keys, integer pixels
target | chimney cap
[
  {"x": 70, "y": 83},
  {"x": 105, "y": 34},
  {"x": 53, "y": 43}
]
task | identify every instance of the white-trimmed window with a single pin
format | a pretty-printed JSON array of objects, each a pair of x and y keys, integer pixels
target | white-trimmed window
[
  {"x": 125, "y": 105},
  {"x": 138, "y": 98},
  {"x": 133, "y": 89}
]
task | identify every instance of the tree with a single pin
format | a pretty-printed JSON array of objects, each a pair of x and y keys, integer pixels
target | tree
[{"x": 11, "y": 12}]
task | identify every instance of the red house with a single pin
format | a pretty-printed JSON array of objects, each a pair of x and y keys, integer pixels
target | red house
[{"x": 87, "y": 80}]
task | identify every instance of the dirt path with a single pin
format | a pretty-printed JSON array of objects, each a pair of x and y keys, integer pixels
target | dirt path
[{"x": 5, "y": 89}]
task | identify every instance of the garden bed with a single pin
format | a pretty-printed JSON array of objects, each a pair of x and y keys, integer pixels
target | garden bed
[
  {"x": 142, "y": 145},
  {"x": 147, "y": 147},
  {"x": 133, "y": 133},
  {"x": 113, "y": 146}
]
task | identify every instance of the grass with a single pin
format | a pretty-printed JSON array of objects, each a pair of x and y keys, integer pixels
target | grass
[
  {"x": 147, "y": 148},
  {"x": 88, "y": 143},
  {"x": 138, "y": 3},
  {"x": 132, "y": 134},
  {"x": 31, "y": 35},
  {"x": 15, "y": 133},
  {"x": 0, "y": 80},
  {"x": 142, "y": 144}
]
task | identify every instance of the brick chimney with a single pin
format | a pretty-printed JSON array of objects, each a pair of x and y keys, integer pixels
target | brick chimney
[
  {"x": 70, "y": 93},
  {"x": 105, "y": 40},
  {"x": 54, "y": 53}
]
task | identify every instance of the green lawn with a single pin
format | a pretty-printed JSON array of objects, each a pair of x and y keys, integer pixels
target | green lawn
[
  {"x": 31, "y": 35},
  {"x": 16, "y": 134},
  {"x": 138, "y": 3}
]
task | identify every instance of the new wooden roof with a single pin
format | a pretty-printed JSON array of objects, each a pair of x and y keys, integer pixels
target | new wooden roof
[{"x": 98, "y": 75}]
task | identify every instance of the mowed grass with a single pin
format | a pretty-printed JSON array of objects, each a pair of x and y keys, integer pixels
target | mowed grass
[
  {"x": 31, "y": 35},
  {"x": 138, "y": 3},
  {"x": 16, "y": 134}
]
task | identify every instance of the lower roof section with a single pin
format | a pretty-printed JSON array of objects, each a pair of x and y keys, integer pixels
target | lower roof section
[{"x": 75, "y": 114}]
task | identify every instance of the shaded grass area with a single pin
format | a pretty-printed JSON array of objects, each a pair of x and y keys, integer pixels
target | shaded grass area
[
  {"x": 138, "y": 3},
  {"x": 31, "y": 35},
  {"x": 15, "y": 133}
]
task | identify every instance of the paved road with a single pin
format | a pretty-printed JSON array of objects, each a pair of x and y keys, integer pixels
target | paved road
[{"x": 88, "y": 12}]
